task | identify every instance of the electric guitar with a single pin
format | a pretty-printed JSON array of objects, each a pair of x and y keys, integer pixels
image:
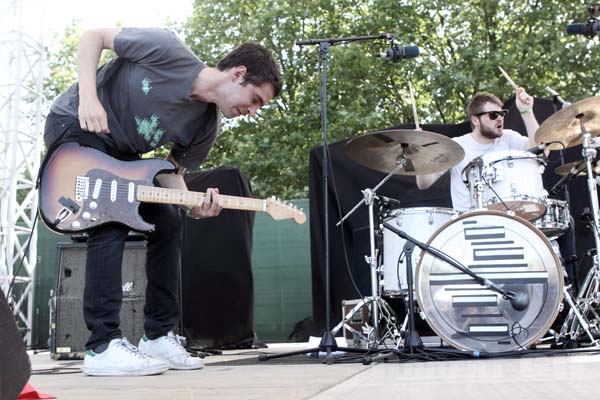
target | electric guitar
[{"x": 82, "y": 188}]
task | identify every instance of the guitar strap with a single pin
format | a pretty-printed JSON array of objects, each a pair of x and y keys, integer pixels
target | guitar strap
[{"x": 53, "y": 147}]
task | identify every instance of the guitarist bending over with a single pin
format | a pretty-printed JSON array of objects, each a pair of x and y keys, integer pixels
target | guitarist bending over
[{"x": 155, "y": 92}]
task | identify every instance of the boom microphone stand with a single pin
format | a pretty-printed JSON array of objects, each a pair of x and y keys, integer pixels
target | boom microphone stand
[{"x": 328, "y": 344}]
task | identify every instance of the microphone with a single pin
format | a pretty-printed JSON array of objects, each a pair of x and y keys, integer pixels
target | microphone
[
  {"x": 556, "y": 97},
  {"x": 537, "y": 150},
  {"x": 519, "y": 301},
  {"x": 397, "y": 53},
  {"x": 589, "y": 29},
  {"x": 565, "y": 179},
  {"x": 389, "y": 202}
]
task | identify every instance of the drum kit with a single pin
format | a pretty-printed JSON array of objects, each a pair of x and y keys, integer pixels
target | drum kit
[{"x": 514, "y": 285}]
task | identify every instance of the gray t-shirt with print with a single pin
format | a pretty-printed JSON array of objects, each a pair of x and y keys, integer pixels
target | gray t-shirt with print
[{"x": 145, "y": 92}]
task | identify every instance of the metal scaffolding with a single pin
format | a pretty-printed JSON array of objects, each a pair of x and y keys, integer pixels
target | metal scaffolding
[{"x": 21, "y": 107}]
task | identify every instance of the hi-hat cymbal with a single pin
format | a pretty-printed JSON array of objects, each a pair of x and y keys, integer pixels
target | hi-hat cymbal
[
  {"x": 424, "y": 152},
  {"x": 564, "y": 126},
  {"x": 564, "y": 169}
]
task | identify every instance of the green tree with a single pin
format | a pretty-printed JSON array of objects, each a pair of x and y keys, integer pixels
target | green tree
[
  {"x": 462, "y": 44},
  {"x": 61, "y": 60}
]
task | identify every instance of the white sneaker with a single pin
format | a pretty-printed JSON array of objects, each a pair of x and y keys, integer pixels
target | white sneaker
[
  {"x": 169, "y": 349},
  {"x": 121, "y": 358}
]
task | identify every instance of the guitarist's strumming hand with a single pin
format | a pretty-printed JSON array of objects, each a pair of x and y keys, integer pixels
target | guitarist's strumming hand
[{"x": 210, "y": 206}]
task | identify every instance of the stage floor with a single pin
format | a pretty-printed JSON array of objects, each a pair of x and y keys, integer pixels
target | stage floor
[{"x": 239, "y": 375}]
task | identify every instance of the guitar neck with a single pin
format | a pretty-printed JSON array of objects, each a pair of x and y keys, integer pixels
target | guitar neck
[{"x": 151, "y": 194}]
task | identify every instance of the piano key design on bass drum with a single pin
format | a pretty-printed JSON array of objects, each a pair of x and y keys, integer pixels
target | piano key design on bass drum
[{"x": 510, "y": 252}]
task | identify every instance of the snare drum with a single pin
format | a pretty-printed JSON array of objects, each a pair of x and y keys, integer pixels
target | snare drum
[
  {"x": 507, "y": 181},
  {"x": 420, "y": 223},
  {"x": 556, "y": 220}
]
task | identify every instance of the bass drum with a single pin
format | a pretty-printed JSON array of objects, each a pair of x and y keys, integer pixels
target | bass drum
[{"x": 506, "y": 250}]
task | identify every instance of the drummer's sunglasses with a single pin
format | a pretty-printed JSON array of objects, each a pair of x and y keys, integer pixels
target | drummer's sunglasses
[{"x": 494, "y": 114}]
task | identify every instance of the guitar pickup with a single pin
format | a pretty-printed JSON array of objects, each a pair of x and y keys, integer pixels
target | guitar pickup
[{"x": 82, "y": 188}]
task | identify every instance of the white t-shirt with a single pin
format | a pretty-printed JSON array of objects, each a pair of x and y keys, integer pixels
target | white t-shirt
[{"x": 510, "y": 140}]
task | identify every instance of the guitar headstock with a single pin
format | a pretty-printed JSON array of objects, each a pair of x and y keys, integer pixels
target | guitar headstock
[{"x": 281, "y": 210}]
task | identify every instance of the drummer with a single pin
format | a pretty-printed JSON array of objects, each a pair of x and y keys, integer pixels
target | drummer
[{"x": 488, "y": 135}]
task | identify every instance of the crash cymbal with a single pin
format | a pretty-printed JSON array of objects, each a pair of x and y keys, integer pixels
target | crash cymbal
[
  {"x": 564, "y": 126},
  {"x": 564, "y": 169},
  {"x": 424, "y": 152}
]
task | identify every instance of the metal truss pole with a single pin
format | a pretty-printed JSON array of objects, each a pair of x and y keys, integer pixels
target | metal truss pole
[{"x": 21, "y": 107}]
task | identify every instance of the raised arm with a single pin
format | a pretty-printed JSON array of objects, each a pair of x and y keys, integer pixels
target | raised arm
[
  {"x": 92, "y": 116},
  {"x": 524, "y": 103}
]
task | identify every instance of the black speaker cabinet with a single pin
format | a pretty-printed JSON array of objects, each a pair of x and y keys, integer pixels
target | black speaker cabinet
[{"x": 68, "y": 333}]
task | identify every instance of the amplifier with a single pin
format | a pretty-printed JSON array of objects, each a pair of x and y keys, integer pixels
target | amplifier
[{"x": 68, "y": 333}]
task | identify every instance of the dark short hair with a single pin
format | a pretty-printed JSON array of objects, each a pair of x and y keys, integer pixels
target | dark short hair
[
  {"x": 260, "y": 65},
  {"x": 479, "y": 100}
]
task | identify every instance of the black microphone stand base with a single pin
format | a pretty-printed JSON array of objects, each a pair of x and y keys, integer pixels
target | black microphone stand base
[
  {"x": 328, "y": 345},
  {"x": 413, "y": 341}
]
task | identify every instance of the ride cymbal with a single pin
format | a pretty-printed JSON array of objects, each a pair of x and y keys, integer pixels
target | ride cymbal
[
  {"x": 564, "y": 125},
  {"x": 424, "y": 152}
]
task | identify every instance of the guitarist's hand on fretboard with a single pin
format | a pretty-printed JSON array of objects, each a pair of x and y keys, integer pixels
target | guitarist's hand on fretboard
[{"x": 210, "y": 206}]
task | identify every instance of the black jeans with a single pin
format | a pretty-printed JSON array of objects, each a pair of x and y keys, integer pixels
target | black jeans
[{"x": 103, "y": 291}]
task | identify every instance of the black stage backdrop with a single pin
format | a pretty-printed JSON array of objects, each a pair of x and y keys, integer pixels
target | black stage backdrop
[
  {"x": 217, "y": 284},
  {"x": 350, "y": 243}
]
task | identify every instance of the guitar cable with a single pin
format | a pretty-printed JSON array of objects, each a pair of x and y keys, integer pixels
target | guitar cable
[{"x": 15, "y": 273}]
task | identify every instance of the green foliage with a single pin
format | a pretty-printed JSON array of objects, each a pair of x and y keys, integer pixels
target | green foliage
[
  {"x": 61, "y": 61},
  {"x": 462, "y": 44}
]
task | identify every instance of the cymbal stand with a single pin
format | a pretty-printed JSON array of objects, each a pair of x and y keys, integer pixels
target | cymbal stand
[
  {"x": 583, "y": 314},
  {"x": 377, "y": 303}
]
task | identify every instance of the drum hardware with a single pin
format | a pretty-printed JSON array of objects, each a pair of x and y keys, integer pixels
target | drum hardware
[
  {"x": 507, "y": 251},
  {"x": 575, "y": 170},
  {"x": 563, "y": 127},
  {"x": 565, "y": 169},
  {"x": 580, "y": 124},
  {"x": 402, "y": 152},
  {"x": 508, "y": 181},
  {"x": 576, "y": 320},
  {"x": 412, "y": 340},
  {"x": 421, "y": 222},
  {"x": 424, "y": 152},
  {"x": 478, "y": 186},
  {"x": 556, "y": 220},
  {"x": 518, "y": 300},
  {"x": 377, "y": 302}
]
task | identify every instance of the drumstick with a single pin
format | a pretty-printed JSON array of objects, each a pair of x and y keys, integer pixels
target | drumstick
[
  {"x": 414, "y": 106},
  {"x": 512, "y": 83}
]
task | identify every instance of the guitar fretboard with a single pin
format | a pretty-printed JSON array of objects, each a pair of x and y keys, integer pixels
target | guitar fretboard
[{"x": 150, "y": 194}]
